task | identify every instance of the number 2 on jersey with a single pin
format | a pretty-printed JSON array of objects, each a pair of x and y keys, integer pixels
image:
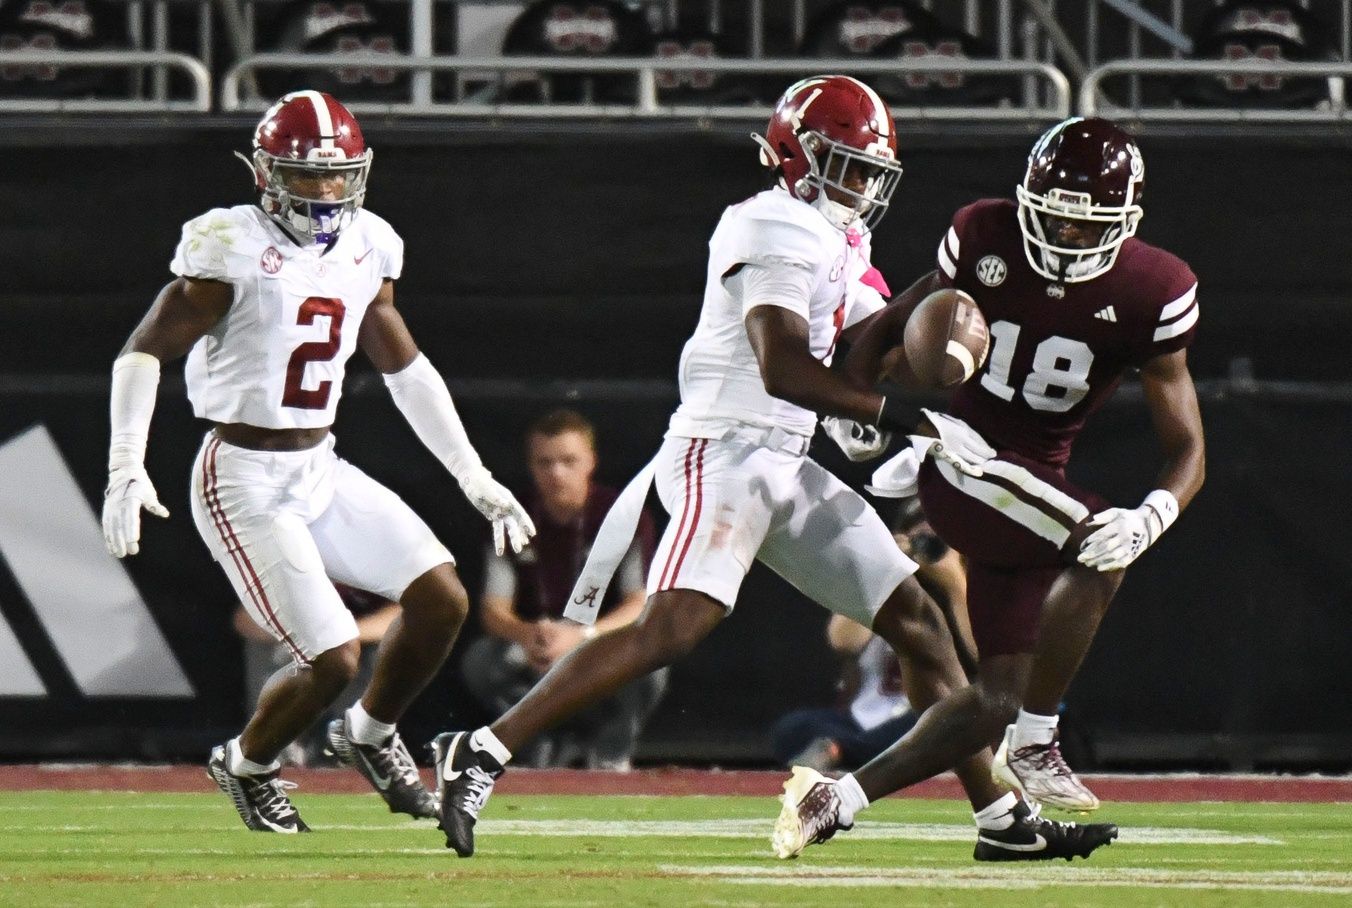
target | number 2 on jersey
[
  {"x": 293, "y": 395},
  {"x": 1058, "y": 362}
]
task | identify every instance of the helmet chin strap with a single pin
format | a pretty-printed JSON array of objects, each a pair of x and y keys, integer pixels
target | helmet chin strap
[{"x": 841, "y": 216}]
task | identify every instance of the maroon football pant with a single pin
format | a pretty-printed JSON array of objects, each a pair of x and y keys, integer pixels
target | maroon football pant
[{"x": 1011, "y": 525}]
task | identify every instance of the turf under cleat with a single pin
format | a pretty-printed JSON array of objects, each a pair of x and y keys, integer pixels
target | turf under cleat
[
  {"x": 810, "y": 815},
  {"x": 261, "y": 800},
  {"x": 1041, "y": 774},
  {"x": 465, "y": 778},
  {"x": 1034, "y": 838},
  {"x": 389, "y": 768}
]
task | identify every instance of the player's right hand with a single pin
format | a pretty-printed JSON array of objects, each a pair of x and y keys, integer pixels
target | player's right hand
[
  {"x": 129, "y": 490},
  {"x": 959, "y": 444},
  {"x": 858, "y": 441},
  {"x": 498, "y": 505}
]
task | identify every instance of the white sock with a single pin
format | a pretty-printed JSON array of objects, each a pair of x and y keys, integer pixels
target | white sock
[
  {"x": 1030, "y": 728},
  {"x": 852, "y": 798},
  {"x": 999, "y": 815},
  {"x": 366, "y": 730},
  {"x": 484, "y": 739},
  {"x": 238, "y": 765}
]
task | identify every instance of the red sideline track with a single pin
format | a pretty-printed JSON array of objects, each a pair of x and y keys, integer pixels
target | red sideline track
[{"x": 672, "y": 781}]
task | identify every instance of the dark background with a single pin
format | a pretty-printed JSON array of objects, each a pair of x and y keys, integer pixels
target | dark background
[{"x": 549, "y": 265}]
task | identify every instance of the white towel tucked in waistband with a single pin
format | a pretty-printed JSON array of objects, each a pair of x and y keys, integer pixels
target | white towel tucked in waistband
[
  {"x": 608, "y": 550},
  {"x": 899, "y": 476}
]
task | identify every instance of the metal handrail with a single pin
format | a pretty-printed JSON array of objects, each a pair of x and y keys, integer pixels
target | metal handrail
[
  {"x": 120, "y": 59},
  {"x": 1091, "y": 102},
  {"x": 645, "y": 70}
]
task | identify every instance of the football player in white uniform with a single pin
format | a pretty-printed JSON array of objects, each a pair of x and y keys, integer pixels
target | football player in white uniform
[
  {"x": 271, "y": 300},
  {"x": 788, "y": 275}
]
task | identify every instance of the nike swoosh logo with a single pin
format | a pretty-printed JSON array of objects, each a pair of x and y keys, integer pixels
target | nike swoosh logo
[
  {"x": 357, "y": 260},
  {"x": 450, "y": 775},
  {"x": 381, "y": 782},
  {"x": 1038, "y": 844}
]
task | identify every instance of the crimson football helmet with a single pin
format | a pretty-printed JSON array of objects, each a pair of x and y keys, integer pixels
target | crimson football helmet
[
  {"x": 834, "y": 132},
  {"x": 1085, "y": 177},
  {"x": 308, "y": 135}
]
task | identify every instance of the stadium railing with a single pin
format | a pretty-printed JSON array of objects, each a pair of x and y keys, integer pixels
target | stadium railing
[
  {"x": 193, "y": 68},
  {"x": 645, "y": 72},
  {"x": 1094, "y": 102}
]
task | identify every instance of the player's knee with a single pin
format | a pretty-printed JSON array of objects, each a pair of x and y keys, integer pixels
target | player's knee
[
  {"x": 672, "y": 625},
  {"x": 437, "y": 596},
  {"x": 335, "y": 668},
  {"x": 999, "y": 706},
  {"x": 912, "y": 621}
]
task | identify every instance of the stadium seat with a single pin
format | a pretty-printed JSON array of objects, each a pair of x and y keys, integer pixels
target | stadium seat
[
  {"x": 71, "y": 25},
  {"x": 342, "y": 27},
  {"x": 577, "y": 28},
  {"x": 1258, "y": 30},
  {"x": 690, "y": 43},
  {"x": 889, "y": 29}
]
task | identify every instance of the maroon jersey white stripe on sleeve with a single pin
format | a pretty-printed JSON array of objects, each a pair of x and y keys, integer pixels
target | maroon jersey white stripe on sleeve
[
  {"x": 949, "y": 247},
  {"x": 1178, "y": 316}
]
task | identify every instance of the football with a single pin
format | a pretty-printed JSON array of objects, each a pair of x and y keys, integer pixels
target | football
[{"x": 946, "y": 342}]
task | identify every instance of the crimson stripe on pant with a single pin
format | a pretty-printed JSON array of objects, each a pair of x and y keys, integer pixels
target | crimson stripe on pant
[{"x": 236, "y": 551}]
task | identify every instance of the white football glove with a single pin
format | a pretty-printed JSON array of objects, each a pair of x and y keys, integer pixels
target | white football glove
[
  {"x": 492, "y": 500},
  {"x": 129, "y": 490},
  {"x": 1123, "y": 535},
  {"x": 959, "y": 444},
  {"x": 858, "y": 441}
]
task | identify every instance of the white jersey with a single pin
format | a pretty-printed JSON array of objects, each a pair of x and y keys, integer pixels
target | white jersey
[
  {"x": 276, "y": 359},
  {"x": 720, "y": 379}
]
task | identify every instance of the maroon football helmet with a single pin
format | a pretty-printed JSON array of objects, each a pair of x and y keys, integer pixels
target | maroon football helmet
[
  {"x": 308, "y": 135},
  {"x": 823, "y": 129},
  {"x": 1085, "y": 178}
]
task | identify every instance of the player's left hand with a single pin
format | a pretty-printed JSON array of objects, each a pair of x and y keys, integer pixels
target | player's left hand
[
  {"x": 1122, "y": 536},
  {"x": 492, "y": 500},
  {"x": 858, "y": 441},
  {"x": 129, "y": 490},
  {"x": 959, "y": 444}
]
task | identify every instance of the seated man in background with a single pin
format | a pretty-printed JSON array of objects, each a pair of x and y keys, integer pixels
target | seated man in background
[
  {"x": 524, "y": 596},
  {"x": 263, "y": 656},
  {"x": 874, "y": 710}
]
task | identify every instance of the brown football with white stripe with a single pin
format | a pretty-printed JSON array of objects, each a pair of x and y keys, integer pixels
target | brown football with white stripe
[{"x": 946, "y": 342}]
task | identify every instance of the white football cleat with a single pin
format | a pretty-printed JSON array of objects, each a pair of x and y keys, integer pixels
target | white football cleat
[
  {"x": 810, "y": 815},
  {"x": 1040, "y": 773}
]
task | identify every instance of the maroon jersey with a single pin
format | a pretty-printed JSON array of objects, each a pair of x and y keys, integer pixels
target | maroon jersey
[{"x": 1057, "y": 350}]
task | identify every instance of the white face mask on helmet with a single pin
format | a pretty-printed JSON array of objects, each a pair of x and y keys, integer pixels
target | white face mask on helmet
[
  {"x": 309, "y": 136},
  {"x": 1085, "y": 173}
]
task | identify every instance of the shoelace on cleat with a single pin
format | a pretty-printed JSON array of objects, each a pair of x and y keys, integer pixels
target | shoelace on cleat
[
  {"x": 397, "y": 762},
  {"x": 476, "y": 792},
  {"x": 820, "y": 821},
  {"x": 1044, "y": 757},
  {"x": 271, "y": 799}
]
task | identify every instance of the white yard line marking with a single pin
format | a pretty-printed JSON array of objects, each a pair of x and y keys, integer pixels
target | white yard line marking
[
  {"x": 746, "y": 829},
  {"x": 1025, "y": 876}
]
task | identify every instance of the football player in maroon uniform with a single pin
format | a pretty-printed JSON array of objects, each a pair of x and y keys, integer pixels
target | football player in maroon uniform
[{"x": 1074, "y": 302}]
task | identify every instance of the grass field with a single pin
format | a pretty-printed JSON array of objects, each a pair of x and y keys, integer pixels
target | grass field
[{"x": 126, "y": 849}]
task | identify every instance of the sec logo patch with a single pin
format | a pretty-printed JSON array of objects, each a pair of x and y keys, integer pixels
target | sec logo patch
[
  {"x": 271, "y": 262},
  {"x": 991, "y": 270}
]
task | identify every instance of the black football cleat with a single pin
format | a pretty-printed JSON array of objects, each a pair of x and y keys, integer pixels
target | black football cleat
[
  {"x": 465, "y": 778},
  {"x": 389, "y": 768},
  {"x": 1034, "y": 838},
  {"x": 262, "y": 801}
]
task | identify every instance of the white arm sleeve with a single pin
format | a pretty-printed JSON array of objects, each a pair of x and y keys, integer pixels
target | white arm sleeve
[
  {"x": 421, "y": 395},
  {"x": 136, "y": 381},
  {"x": 788, "y": 286}
]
